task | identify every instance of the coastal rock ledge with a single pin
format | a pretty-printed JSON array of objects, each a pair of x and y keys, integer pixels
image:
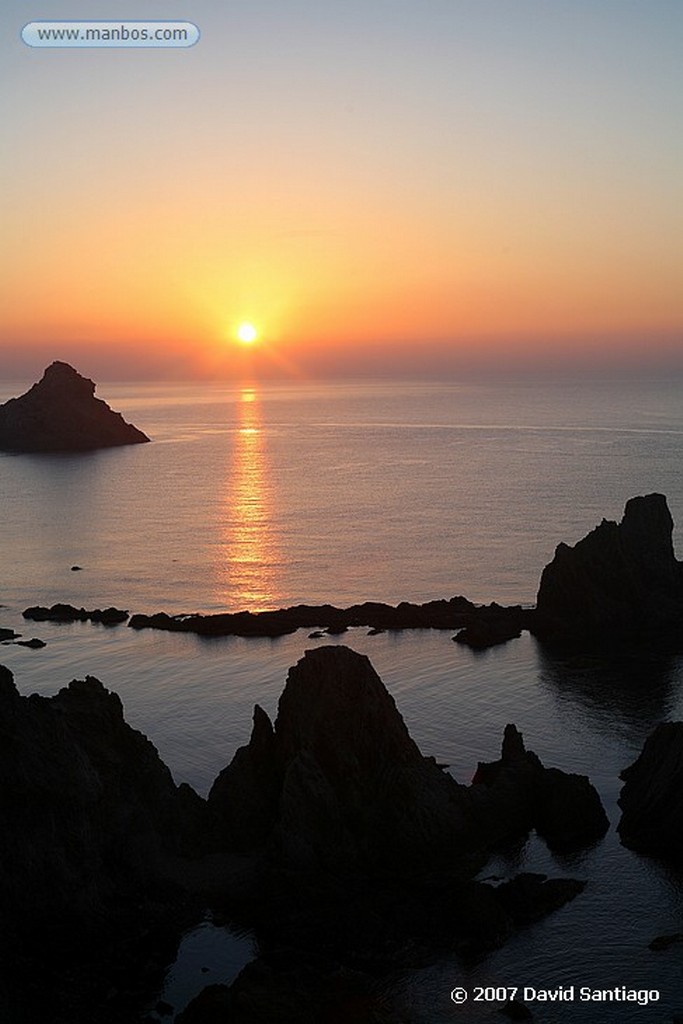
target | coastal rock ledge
[{"x": 61, "y": 414}]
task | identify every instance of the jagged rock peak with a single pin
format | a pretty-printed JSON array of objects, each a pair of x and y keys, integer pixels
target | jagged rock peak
[
  {"x": 60, "y": 414},
  {"x": 620, "y": 582},
  {"x": 62, "y": 376},
  {"x": 334, "y": 703}
]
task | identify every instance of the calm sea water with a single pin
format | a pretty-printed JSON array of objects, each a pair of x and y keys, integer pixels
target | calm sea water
[{"x": 262, "y": 496}]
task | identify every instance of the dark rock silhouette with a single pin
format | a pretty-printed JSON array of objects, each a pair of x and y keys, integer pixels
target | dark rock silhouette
[
  {"x": 493, "y": 625},
  {"x": 620, "y": 583},
  {"x": 281, "y": 988},
  {"x": 652, "y": 809},
  {"x": 93, "y": 831},
  {"x": 565, "y": 809},
  {"x": 454, "y": 613},
  {"x": 529, "y": 896},
  {"x": 329, "y": 830},
  {"x": 665, "y": 941},
  {"x": 338, "y": 784},
  {"x": 67, "y": 613},
  {"x": 514, "y": 1009},
  {"x": 61, "y": 414}
]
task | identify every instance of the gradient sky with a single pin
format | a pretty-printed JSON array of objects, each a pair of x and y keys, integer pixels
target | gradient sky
[{"x": 385, "y": 185}]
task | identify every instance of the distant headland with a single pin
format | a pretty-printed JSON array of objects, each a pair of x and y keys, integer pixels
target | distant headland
[{"x": 61, "y": 414}]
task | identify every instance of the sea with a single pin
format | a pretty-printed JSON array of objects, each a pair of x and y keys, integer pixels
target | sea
[{"x": 261, "y": 495}]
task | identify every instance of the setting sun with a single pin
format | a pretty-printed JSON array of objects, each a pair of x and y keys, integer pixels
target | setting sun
[{"x": 247, "y": 333}]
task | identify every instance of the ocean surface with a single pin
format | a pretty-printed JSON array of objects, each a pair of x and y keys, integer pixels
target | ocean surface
[{"x": 261, "y": 496}]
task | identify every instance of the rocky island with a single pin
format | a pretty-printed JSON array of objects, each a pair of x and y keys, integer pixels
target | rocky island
[
  {"x": 620, "y": 584},
  {"x": 61, "y": 414}
]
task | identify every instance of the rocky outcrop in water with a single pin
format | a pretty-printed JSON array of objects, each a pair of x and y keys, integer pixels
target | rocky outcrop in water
[
  {"x": 621, "y": 583},
  {"x": 652, "y": 809},
  {"x": 337, "y": 783},
  {"x": 482, "y": 626},
  {"x": 522, "y": 794},
  {"x": 61, "y": 414},
  {"x": 67, "y": 613}
]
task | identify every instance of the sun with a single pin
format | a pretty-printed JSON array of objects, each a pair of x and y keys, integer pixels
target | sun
[{"x": 247, "y": 333}]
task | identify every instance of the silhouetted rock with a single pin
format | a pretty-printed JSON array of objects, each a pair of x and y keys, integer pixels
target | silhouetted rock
[
  {"x": 652, "y": 809},
  {"x": 565, "y": 809},
  {"x": 529, "y": 897},
  {"x": 286, "y": 988},
  {"x": 492, "y": 620},
  {"x": 492, "y": 625},
  {"x": 516, "y": 1010},
  {"x": 213, "y": 1005},
  {"x": 84, "y": 797},
  {"x": 620, "y": 583},
  {"x": 665, "y": 941},
  {"x": 67, "y": 613},
  {"x": 329, "y": 830},
  {"x": 34, "y": 643},
  {"x": 93, "y": 833},
  {"x": 338, "y": 784},
  {"x": 61, "y": 414}
]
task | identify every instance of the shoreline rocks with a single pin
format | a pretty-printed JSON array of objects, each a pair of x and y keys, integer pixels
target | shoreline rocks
[{"x": 61, "y": 414}]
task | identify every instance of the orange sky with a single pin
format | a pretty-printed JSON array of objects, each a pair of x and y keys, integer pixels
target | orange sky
[{"x": 431, "y": 201}]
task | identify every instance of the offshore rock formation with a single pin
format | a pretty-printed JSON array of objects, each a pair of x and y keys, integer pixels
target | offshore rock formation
[
  {"x": 337, "y": 784},
  {"x": 622, "y": 582},
  {"x": 67, "y": 613},
  {"x": 61, "y": 414},
  {"x": 482, "y": 626},
  {"x": 652, "y": 809},
  {"x": 565, "y": 809}
]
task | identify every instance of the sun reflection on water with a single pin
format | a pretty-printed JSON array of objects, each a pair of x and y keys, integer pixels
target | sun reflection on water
[{"x": 249, "y": 563}]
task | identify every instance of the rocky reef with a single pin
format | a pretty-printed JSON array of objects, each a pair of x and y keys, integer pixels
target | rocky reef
[
  {"x": 61, "y": 414},
  {"x": 620, "y": 584},
  {"x": 67, "y": 613},
  {"x": 652, "y": 809},
  {"x": 480, "y": 625},
  {"x": 329, "y": 834}
]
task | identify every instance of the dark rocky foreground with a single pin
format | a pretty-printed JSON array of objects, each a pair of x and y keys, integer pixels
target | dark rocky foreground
[
  {"x": 61, "y": 414},
  {"x": 652, "y": 797},
  {"x": 330, "y": 835}
]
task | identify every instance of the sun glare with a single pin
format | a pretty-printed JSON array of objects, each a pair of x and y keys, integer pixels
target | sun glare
[{"x": 247, "y": 333}]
